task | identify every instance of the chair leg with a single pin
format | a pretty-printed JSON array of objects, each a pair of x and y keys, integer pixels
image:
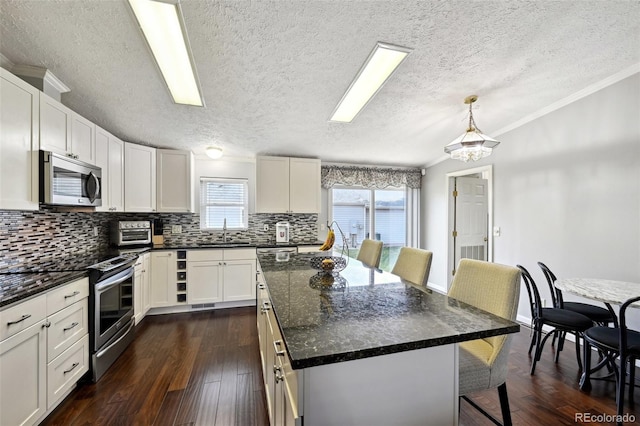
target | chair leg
[
  {"x": 632, "y": 378},
  {"x": 536, "y": 355},
  {"x": 621, "y": 383},
  {"x": 504, "y": 404},
  {"x": 578, "y": 353},
  {"x": 585, "y": 381}
]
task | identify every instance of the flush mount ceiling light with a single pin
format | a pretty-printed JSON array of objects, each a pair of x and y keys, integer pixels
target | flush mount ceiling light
[
  {"x": 381, "y": 63},
  {"x": 163, "y": 28},
  {"x": 472, "y": 145},
  {"x": 214, "y": 152}
]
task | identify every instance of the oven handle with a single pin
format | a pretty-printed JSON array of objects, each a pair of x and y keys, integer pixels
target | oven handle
[
  {"x": 103, "y": 351},
  {"x": 110, "y": 283}
]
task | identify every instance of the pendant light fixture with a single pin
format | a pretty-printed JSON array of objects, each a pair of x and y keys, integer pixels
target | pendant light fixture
[{"x": 472, "y": 145}]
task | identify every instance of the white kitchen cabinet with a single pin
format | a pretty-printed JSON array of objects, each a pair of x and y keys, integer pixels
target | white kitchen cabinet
[
  {"x": 174, "y": 181},
  {"x": 44, "y": 351},
  {"x": 19, "y": 143},
  {"x": 141, "y": 287},
  {"x": 66, "y": 132},
  {"x": 204, "y": 282},
  {"x": 287, "y": 185},
  {"x": 110, "y": 158},
  {"x": 23, "y": 383},
  {"x": 163, "y": 277},
  {"x": 221, "y": 275},
  {"x": 139, "y": 178}
]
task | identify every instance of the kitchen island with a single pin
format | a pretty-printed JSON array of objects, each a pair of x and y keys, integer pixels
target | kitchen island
[{"x": 366, "y": 349}]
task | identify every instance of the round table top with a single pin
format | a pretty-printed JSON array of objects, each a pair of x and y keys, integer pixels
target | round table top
[{"x": 607, "y": 291}]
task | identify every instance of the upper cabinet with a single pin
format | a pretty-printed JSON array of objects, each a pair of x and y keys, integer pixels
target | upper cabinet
[
  {"x": 65, "y": 132},
  {"x": 110, "y": 158},
  {"x": 19, "y": 143},
  {"x": 175, "y": 177},
  {"x": 287, "y": 185},
  {"x": 140, "y": 178}
]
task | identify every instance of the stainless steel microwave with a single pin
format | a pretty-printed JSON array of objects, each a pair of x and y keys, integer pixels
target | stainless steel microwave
[{"x": 69, "y": 182}]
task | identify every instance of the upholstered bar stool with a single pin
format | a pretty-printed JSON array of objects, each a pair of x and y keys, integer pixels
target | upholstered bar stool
[
  {"x": 413, "y": 265},
  {"x": 370, "y": 252}
]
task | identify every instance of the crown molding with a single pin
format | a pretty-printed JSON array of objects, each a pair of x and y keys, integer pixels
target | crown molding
[{"x": 43, "y": 73}]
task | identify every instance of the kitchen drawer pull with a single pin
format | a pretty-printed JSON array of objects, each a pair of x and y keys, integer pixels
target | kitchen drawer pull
[
  {"x": 260, "y": 286},
  {"x": 74, "y": 325},
  {"x": 75, "y": 293},
  {"x": 265, "y": 307},
  {"x": 22, "y": 318},
  {"x": 73, "y": 366},
  {"x": 279, "y": 377},
  {"x": 276, "y": 344}
]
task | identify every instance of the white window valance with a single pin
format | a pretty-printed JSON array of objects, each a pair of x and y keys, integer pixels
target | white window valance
[{"x": 370, "y": 177}]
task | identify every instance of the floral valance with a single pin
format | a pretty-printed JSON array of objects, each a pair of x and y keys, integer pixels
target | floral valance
[{"x": 370, "y": 177}]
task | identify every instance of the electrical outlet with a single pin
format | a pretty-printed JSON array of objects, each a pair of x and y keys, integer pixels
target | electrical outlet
[
  {"x": 496, "y": 231},
  {"x": 96, "y": 231},
  {"x": 176, "y": 229},
  {"x": 323, "y": 227},
  {"x": 266, "y": 227}
]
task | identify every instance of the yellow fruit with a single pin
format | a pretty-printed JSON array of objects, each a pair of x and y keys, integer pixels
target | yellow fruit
[
  {"x": 327, "y": 264},
  {"x": 328, "y": 244}
]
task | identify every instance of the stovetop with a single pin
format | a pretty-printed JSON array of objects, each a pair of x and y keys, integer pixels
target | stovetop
[{"x": 102, "y": 261}]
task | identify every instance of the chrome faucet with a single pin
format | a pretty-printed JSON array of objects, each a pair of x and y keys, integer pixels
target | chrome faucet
[{"x": 224, "y": 231}]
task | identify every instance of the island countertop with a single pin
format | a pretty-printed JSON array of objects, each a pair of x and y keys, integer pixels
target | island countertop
[{"x": 364, "y": 313}]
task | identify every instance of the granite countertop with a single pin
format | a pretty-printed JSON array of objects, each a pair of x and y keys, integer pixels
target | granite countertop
[
  {"x": 214, "y": 245},
  {"x": 364, "y": 313},
  {"x": 15, "y": 287}
]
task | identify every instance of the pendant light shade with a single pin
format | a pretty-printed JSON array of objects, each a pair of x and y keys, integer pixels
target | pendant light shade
[{"x": 473, "y": 144}]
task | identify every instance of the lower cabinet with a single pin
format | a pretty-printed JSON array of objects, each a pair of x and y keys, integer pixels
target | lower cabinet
[
  {"x": 281, "y": 381},
  {"x": 221, "y": 275},
  {"x": 44, "y": 350},
  {"x": 163, "y": 274},
  {"x": 142, "y": 287}
]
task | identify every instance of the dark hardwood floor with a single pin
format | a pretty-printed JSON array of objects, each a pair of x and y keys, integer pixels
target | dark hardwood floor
[{"x": 204, "y": 369}]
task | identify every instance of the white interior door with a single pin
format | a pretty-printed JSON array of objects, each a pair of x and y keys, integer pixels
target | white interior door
[{"x": 471, "y": 219}]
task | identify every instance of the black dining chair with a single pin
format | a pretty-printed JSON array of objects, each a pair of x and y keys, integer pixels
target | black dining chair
[
  {"x": 597, "y": 314},
  {"x": 560, "y": 320},
  {"x": 615, "y": 343}
]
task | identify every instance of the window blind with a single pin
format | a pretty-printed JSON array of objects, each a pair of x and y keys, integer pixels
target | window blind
[{"x": 222, "y": 199}]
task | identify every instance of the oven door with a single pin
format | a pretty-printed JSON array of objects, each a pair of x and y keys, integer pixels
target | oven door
[
  {"x": 113, "y": 305},
  {"x": 134, "y": 236}
]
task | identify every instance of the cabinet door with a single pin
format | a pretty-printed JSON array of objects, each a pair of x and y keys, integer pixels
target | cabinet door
[
  {"x": 23, "y": 363},
  {"x": 139, "y": 178},
  {"x": 175, "y": 181},
  {"x": 55, "y": 125},
  {"x": 204, "y": 282},
  {"x": 272, "y": 185},
  {"x": 110, "y": 158},
  {"x": 239, "y": 277},
  {"x": 163, "y": 276},
  {"x": 304, "y": 185},
  {"x": 137, "y": 292},
  {"x": 146, "y": 286},
  {"x": 83, "y": 139},
  {"x": 19, "y": 143}
]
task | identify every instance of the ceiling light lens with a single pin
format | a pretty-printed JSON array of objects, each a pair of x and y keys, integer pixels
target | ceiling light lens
[
  {"x": 214, "y": 152},
  {"x": 163, "y": 29},
  {"x": 380, "y": 64}
]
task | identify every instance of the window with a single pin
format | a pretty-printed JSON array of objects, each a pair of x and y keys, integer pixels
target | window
[
  {"x": 387, "y": 221},
  {"x": 222, "y": 199}
]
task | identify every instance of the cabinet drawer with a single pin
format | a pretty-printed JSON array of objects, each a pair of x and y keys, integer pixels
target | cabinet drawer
[
  {"x": 239, "y": 254},
  {"x": 67, "y": 295},
  {"x": 22, "y": 316},
  {"x": 204, "y": 255},
  {"x": 64, "y": 371},
  {"x": 67, "y": 326}
]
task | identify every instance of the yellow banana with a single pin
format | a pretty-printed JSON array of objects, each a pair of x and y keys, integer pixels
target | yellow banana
[{"x": 328, "y": 243}]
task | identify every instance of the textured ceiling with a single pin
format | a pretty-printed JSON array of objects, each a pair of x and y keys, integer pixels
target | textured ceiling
[{"x": 273, "y": 71}]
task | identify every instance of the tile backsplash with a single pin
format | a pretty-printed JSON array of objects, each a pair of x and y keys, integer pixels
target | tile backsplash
[{"x": 29, "y": 237}]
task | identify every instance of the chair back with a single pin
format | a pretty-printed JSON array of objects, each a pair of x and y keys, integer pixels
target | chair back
[
  {"x": 556, "y": 294},
  {"x": 624, "y": 347},
  {"x": 535, "y": 302},
  {"x": 413, "y": 265},
  {"x": 489, "y": 286},
  {"x": 370, "y": 252}
]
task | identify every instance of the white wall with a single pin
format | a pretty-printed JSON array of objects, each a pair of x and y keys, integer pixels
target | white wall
[{"x": 566, "y": 192}]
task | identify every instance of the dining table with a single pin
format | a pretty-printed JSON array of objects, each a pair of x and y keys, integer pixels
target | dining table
[{"x": 609, "y": 292}]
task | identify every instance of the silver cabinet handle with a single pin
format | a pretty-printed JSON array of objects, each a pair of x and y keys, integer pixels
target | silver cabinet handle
[
  {"x": 265, "y": 307},
  {"x": 74, "y": 365},
  {"x": 260, "y": 286},
  {"x": 277, "y": 344},
  {"x": 75, "y": 293},
  {"x": 46, "y": 324},
  {"x": 73, "y": 325},
  {"x": 22, "y": 318}
]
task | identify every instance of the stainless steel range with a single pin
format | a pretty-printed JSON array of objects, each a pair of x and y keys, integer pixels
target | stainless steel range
[{"x": 110, "y": 311}]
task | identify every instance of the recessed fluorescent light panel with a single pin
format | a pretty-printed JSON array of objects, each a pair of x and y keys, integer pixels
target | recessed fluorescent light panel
[
  {"x": 381, "y": 63},
  {"x": 163, "y": 27}
]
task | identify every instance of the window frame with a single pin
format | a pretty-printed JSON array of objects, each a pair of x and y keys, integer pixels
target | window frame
[{"x": 203, "y": 205}]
